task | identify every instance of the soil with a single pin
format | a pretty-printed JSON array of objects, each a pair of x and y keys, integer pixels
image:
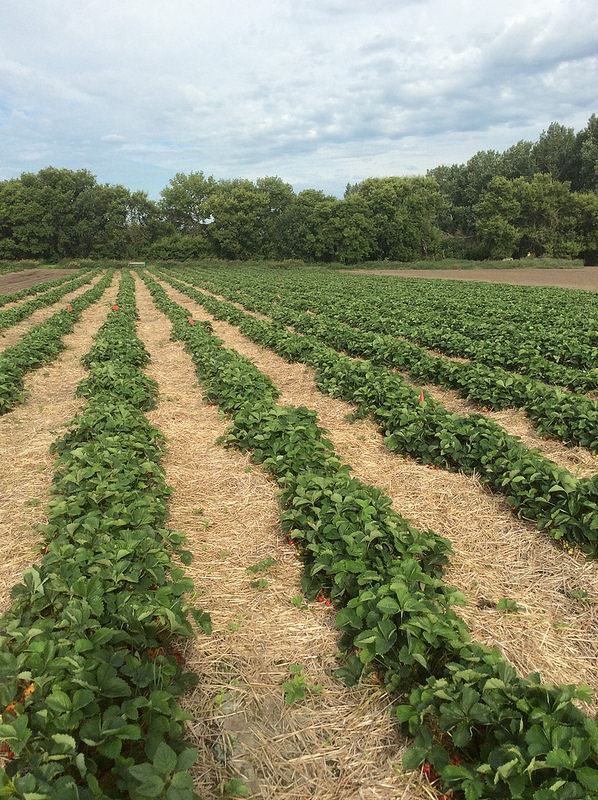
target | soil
[
  {"x": 582, "y": 278},
  {"x": 15, "y": 281}
]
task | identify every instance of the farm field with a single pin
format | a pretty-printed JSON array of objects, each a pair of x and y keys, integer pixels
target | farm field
[
  {"x": 574, "y": 278},
  {"x": 309, "y": 535},
  {"x": 15, "y": 281}
]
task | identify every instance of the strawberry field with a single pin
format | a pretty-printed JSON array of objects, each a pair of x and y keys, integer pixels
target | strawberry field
[{"x": 290, "y": 534}]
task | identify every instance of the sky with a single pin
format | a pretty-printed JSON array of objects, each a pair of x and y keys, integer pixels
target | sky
[{"x": 317, "y": 92}]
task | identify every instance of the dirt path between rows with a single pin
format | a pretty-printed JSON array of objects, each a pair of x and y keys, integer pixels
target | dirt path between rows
[
  {"x": 495, "y": 555},
  {"x": 26, "y": 433},
  {"x": 581, "y": 278},
  {"x": 15, "y": 281},
  {"x": 334, "y": 743}
]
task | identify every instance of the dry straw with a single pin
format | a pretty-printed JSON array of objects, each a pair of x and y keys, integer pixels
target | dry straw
[
  {"x": 335, "y": 742},
  {"x": 26, "y": 434}
]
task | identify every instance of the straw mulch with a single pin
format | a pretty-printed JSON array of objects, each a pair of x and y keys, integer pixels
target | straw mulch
[
  {"x": 496, "y": 556},
  {"x": 335, "y": 742},
  {"x": 578, "y": 460},
  {"x": 12, "y": 335},
  {"x": 26, "y": 434}
]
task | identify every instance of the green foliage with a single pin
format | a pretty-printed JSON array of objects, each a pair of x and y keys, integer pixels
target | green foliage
[
  {"x": 516, "y": 737},
  {"x": 41, "y": 344},
  {"x": 297, "y": 687},
  {"x": 88, "y": 674}
]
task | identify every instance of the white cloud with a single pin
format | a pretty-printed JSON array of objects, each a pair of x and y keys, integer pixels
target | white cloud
[{"x": 320, "y": 92}]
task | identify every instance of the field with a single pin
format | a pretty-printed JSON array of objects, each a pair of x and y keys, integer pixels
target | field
[{"x": 297, "y": 534}]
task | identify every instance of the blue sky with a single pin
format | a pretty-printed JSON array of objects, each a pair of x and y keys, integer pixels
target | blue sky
[{"x": 318, "y": 92}]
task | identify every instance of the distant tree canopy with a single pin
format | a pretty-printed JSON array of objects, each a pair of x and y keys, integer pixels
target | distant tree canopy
[{"x": 539, "y": 198}]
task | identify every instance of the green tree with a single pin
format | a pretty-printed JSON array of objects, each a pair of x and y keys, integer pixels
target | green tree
[
  {"x": 185, "y": 201},
  {"x": 587, "y": 152},
  {"x": 404, "y": 214},
  {"x": 496, "y": 215},
  {"x": 239, "y": 211},
  {"x": 555, "y": 152}
]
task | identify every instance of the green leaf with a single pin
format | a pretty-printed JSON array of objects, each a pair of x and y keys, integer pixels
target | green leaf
[
  {"x": 388, "y": 605},
  {"x": 588, "y": 778},
  {"x": 202, "y": 619},
  {"x": 165, "y": 759},
  {"x": 59, "y": 702},
  {"x": 181, "y": 787},
  {"x": 65, "y": 740},
  {"x": 186, "y": 759},
  {"x": 414, "y": 757},
  {"x": 236, "y": 787},
  {"x": 559, "y": 759}
]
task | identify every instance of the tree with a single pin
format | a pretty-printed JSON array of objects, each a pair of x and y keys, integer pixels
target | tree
[
  {"x": 586, "y": 144},
  {"x": 185, "y": 201},
  {"x": 404, "y": 214},
  {"x": 239, "y": 212},
  {"x": 280, "y": 198},
  {"x": 555, "y": 153},
  {"x": 496, "y": 214}
]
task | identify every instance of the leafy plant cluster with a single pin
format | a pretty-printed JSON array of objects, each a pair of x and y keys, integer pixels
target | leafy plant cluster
[
  {"x": 512, "y": 737},
  {"x": 41, "y": 344},
  {"x": 37, "y": 288},
  {"x": 89, "y": 675},
  {"x": 547, "y": 334},
  {"x": 535, "y": 487},
  {"x": 10, "y": 316},
  {"x": 571, "y": 418}
]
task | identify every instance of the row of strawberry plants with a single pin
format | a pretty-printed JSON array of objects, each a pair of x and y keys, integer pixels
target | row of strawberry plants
[
  {"x": 37, "y": 288},
  {"x": 41, "y": 344},
  {"x": 10, "y": 316},
  {"x": 89, "y": 677},
  {"x": 501, "y": 735},
  {"x": 571, "y": 418},
  {"x": 366, "y": 307},
  {"x": 536, "y": 488}
]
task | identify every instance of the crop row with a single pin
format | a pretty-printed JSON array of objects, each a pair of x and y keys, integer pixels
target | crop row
[
  {"x": 10, "y": 316},
  {"x": 89, "y": 679},
  {"x": 500, "y": 735},
  {"x": 403, "y": 309},
  {"x": 41, "y": 344},
  {"x": 569, "y": 417},
  {"x": 37, "y": 288},
  {"x": 536, "y": 488}
]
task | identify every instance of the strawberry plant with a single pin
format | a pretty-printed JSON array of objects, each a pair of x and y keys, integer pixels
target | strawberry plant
[
  {"x": 89, "y": 680},
  {"x": 501, "y": 735},
  {"x": 535, "y": 487},
  {"x": 41, "y": 344}
]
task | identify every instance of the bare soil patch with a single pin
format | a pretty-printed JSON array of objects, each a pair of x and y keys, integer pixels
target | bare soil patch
[
  {"x": 495, "y": 554},
  {"x": 10, "y": 336},
  {"x": 335, "y": 743},
  {"x": 15, "y": 281},
  {"x": 26, "y": 434},
  {"x": 582, "y": 278}
]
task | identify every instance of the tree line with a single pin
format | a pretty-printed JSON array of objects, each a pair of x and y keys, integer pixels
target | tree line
[{"x": 538, "y": 197}]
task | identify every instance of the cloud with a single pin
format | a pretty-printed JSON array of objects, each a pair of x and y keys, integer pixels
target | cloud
[{"x": 319, "y": 92}]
